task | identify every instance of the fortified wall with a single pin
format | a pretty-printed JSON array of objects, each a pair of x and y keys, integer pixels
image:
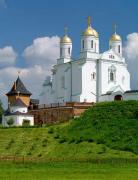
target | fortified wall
[{"x": 57, "y": 112}]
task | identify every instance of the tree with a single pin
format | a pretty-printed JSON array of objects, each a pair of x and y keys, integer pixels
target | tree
[
  {"x": 1, "y": 111},
  {"x": 10, "y": 122}
]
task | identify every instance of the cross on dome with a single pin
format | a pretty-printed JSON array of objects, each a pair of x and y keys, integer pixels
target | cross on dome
[
  {"x": 89, "y": 21},
  {"x": 115, "y": 27},
  {"x": 65, "y": 31}
]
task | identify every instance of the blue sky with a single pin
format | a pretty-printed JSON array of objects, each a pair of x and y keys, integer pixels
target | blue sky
[
  {"x": 30, "y": 31},
  {"x": 24, "y": 20}
]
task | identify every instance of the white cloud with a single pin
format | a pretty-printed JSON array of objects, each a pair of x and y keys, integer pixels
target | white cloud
[
  {"x": 32, "y": 77},
  {"x": 7, "y": 56},
  {"x": 40, "y": 56},
  {"x": 131, "y": 54},
  {"x": 43, "y": 51}
]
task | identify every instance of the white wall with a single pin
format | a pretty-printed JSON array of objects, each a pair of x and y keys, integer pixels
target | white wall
[
  {"x": 88, "y": 83},
  {"x": 18, "y": 120},
  {"x": 121, "y": 72},
  {"x": 19, "y": 109}
]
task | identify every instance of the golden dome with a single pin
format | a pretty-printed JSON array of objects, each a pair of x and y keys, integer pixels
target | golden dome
[
  {"x": 115, "y": 37},
  {"x": 90, "y": 31},
  {"x": 65, "y": 39}
]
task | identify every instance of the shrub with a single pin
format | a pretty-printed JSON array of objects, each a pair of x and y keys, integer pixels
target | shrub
[
  {"x": 50, "y": 130},
  {"x": 39, "y": 155},
  {"x": 10, "y": 121},
  {"x": 29, "y": 153},
  {"x": 72, "y": 140},
  {"x": 56, "y": 136},
  {"x": 90, "y": 140},
  {"x": 63, "y": 140},
  {"x": 79, "y": 140}
]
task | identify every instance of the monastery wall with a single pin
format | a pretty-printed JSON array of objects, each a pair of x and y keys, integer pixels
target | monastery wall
[{"x": 61, "y": 113}]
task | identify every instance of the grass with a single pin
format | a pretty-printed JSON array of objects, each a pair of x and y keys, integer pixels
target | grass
[
  {"x": 114, "y": 124},
  {"x": 105, "y": 131},
  {"x": 41, "y": 143},
  {"x": 101, "y": 144},
  {"x": 68, "y": 170}
]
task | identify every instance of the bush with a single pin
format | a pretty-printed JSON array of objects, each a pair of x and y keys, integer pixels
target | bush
[
  {"x": 10, "y": 122},
  {"x": 56, "y": 136},
  {"x": 50, "y": 130},
  {"x": 72, "y": 140},
  {"x": 90, "y": 140},
  {"x": 63, "y": 140},
  {"x": 79, "y": 140}
]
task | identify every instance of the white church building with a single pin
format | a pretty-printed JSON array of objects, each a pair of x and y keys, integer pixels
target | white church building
[{"x": 93, "y": 77}]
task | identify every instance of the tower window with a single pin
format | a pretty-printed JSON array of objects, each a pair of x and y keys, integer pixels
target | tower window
[
  {"x": 83, "y": 44},
  {"x": 60, "y": 51},
  {"x": 91, "y": 43},
  {"x": 119, "y": 48},
  {"x": 69, "y": 50}
]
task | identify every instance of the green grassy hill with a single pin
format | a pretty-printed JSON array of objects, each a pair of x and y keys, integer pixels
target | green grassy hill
[
  {"x": 105, "y": 131},
  {"x": 114, "y": 124}
]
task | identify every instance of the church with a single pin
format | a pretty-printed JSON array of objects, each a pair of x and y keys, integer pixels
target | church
[
  {"x": 18, "y": 103},
  {"x": 93, "y": 77}
]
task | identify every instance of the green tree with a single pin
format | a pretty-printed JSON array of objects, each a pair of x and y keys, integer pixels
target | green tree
[{"x": 1, "y": 111}]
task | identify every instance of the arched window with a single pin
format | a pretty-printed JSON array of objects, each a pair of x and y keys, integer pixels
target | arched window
[
  {"x": 60, "y": 51},
  {"x": 69, "y": 50},
  {"x": 91, "y": 43},
  {"x": 93, "y": 76},
  {"x": 123, "y": 80},
  {"x": 111, "y": 76},
  {"x": 118, "y": 48},
  {"x": 82, "y": 44}
]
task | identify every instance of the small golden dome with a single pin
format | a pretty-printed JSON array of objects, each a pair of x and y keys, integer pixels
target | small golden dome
[
  {"x": 115, "y": 37},
  {"x": 90, "y": 31},
  {"x": 65, "y": 39}
]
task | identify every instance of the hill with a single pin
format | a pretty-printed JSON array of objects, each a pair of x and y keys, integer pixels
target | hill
[
  {"x": 114, "y": 124},
  {"x": 105, "y": 131}
]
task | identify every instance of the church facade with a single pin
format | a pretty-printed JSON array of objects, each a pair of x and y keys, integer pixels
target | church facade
[{"x": 93, "y": 77}]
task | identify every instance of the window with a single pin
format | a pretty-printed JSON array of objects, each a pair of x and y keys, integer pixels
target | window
[
  {"x": 91, "y": 43},
  {"x": 111, "y": 76},
  {"x": 60, "y": 51},
  {"x": 69, "y": 50},
  {"x": 93, "y": 76},
  {"x": 83, "y": 44},
  {"x": 119, "y": 49},
  {"x": 111, "y": 56},
  {"x": 123, "y": 80}
]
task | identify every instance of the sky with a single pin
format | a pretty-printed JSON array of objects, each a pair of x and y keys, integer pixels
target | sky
[{"x": 30, "y": 32}]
